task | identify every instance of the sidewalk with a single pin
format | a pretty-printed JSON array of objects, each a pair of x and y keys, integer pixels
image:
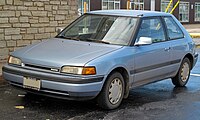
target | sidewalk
[{"x": 193, "y": 29}]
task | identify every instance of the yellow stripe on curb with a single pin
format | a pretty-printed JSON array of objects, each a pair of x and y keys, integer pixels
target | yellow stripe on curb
[{"x": 195, "y": 35}]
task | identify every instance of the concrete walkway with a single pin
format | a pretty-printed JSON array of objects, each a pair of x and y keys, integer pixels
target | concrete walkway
[
  {"x": 191, "y": 28},
  {"x": 194, "y": 30}
]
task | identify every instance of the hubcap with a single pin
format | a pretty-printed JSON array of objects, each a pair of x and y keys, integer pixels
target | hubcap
[
  {"x": 115, "y": 91},
  {"x": 185, "y": 72}
]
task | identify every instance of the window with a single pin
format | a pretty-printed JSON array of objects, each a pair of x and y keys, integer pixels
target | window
[
  {"x": 164, "y": 4},
  {"x": 81, "y": 6},
  {"x": 184, "y": 11},
  {"x": 110, "y": 4},
  {"x": 137, "y": 5},
  {"x": 100, "y": 28},
  {"x": 197, "y": 11},
  {"x": 152, "y": 28},
  {"x": 174, "y": 32}
]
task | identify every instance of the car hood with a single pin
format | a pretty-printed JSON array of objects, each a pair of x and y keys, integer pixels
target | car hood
[{"x": 57, "y": 52}]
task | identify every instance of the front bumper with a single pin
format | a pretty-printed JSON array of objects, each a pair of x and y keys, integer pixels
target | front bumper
[{"x": 56, "y": 84}]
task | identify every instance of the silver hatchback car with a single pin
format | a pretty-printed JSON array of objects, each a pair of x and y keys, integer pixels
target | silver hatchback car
[{"x": 104, "y": 54}]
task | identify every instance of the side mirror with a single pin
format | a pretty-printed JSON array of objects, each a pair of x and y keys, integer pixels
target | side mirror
[
  {"x": 59, "y": 30},
  {"x": 144, "y": 41}
]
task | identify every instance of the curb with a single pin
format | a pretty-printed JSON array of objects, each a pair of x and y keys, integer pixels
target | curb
[{"x": 195, "y": 35}]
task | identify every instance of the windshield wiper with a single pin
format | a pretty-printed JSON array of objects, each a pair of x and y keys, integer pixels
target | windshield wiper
[
  {"x": 70, "y": 38},
  {"x": 95, "y": 40}
]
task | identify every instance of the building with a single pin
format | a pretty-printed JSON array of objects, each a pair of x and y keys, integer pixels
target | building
[
  {"x": 188, "y": 11},
  {"x": 23, "y": 22}
]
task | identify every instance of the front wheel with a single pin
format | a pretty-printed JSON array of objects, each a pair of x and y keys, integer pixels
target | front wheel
[
  {"x": 112, "y": 92},
  {"x": 183, "y": 74}
]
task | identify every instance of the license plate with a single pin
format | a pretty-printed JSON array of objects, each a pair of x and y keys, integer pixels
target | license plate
[{"x": 31, "y": 83}]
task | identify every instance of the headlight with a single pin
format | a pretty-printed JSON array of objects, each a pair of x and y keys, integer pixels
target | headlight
[
  {"x": 14, "y": 60},
  {"x": 79, "y": 70}
]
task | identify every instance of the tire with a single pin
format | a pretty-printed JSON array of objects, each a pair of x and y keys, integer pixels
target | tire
[
  {"x": 182, "y": 77},
  {"x": 114, "y": 84}
]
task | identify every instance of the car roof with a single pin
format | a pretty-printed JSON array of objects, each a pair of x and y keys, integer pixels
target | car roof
[{"x": 131, "y": 13}]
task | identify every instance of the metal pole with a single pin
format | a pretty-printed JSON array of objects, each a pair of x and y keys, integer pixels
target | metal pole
[
  {"x": 168, "y": 6},
  {"x": 128, "y": 4},
  {"x": 175, "y": 7},
  {"x": 85, "y": 7}
]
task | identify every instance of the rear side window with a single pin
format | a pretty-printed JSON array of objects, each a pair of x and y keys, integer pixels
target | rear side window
[
  {"x": 174, "y": 32},
  {"x": 152, "y": 28}
]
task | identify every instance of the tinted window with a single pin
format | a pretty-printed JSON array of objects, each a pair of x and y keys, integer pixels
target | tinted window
[
  {"x": 173, "y": 30},
  {"x": 152, "y": 28}
]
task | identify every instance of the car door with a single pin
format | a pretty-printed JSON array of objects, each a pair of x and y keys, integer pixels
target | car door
[
  {"x": 152, "y": 62},
  {"x": 177, "y": 40}
]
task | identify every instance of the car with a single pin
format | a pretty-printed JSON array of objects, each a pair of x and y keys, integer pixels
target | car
[{"x": 104, "y": 54}]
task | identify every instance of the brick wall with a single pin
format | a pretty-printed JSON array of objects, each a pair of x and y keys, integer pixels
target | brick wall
[{"x": 23, "y": 22}]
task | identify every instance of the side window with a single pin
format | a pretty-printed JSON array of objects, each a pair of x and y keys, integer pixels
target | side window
[
  {"x": 152, "y": 28},
  {"x": 174, "y": 32}
]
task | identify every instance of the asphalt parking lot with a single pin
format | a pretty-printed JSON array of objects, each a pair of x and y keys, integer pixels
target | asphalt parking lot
[{"x": 155, "y": 101}]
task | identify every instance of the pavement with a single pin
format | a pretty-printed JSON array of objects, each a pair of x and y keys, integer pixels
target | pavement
[{"x": 193, "y": 29}]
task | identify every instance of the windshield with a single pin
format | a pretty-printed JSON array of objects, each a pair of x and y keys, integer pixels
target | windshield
[{"x": 103, "y": 29}]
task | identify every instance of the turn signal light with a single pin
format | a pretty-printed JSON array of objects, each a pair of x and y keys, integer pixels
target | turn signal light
[{"x": 89, "y": 71}]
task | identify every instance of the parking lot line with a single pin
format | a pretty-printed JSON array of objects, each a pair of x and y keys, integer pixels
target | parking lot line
[{"x": 198, "y": 75}]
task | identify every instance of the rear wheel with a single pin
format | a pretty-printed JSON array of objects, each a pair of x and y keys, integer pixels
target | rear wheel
[
  {"x": 112, "y": 93},
  {"x": 183, "y": 74}
]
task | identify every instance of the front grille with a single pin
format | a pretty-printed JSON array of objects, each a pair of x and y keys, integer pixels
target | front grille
[{"x": 41, "y": 67}]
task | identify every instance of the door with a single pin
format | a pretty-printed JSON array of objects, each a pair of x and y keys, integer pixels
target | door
[
  {"x": 178, "y": 42},
  {"x": 152, "y": 62}
]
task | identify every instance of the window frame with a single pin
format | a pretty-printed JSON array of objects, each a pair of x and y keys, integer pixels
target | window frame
[
  {"x": 183, "y": 2},
  {"x": 163, "y": 2},
  {"x": 167, "y": 33},
  {"x": 196, "y": 12},
  {"x": 110, "y": 1},
  {"x": 151, "y": 17},
  {"x": 138, "y": 3}
]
